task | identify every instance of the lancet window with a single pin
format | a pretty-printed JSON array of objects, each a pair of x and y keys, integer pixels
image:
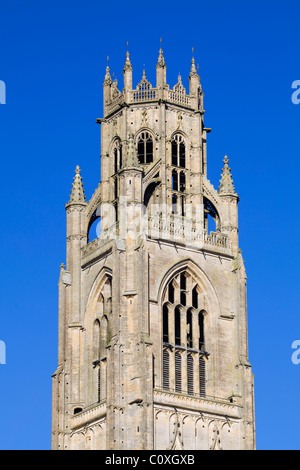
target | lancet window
[
  {"x": 145, "y": 148},
  {"x": 117, "y": 155},
  {"x": 178, "y": 185},
  {"x": 178, "y": 151}
]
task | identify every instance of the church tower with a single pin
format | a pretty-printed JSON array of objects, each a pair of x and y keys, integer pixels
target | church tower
[{"x": 152, "y": 349}]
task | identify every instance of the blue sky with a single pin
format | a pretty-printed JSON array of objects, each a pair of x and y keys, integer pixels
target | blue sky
[{"x": 52, "y": 59}]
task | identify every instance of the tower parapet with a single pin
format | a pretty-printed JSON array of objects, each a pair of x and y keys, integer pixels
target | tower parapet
[{"x": 146, "y": 93}]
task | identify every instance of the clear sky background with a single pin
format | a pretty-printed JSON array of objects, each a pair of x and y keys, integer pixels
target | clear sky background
[{"x": 53, "y": 56}]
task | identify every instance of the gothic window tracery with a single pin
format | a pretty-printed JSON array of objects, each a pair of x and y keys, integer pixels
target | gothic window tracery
[
  {"x": 178, "y": 151},
  {"x": 183, "y": 323},
  {"x": 145, "y": 148}
]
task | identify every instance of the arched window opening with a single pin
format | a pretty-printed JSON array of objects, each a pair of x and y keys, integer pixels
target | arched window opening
[
  {"x": 166, "y": 370},
  {"x": 150, "y": 194},
  {"x": 177, "y": 326},
  {"x": 202, "y": 377},
  {"x": 178, "y": 382},
  {"x": 165, "y": 324},
  {"x": 211, "y": 216},
  {"x": 190, "y": 374},
  {"x": 178, "y": 151},
  {"x": 94, "y": 227},
  {"x": 189, "y": 328},
  {"x": 117, "y": 153},
  {"x": 201, "y": 331},
  {"x": 174, "y": 180},
  {"x": 145, "y": 148},
  {"x": 77, "y": 410}
]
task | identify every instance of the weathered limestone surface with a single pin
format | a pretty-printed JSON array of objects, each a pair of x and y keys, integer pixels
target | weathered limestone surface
[{"x": 153, "y": 349}]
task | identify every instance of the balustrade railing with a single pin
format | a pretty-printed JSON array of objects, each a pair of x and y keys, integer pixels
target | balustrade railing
[
  {"x": 146, "y": 94},
  {"x": 181, "y": 230}
]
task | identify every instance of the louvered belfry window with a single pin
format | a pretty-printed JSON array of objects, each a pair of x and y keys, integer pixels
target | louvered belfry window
[
  {"x": 190, "y": 374},
  {"x": 183, "y": 322},
  {"x": 202, "y": 378},
  {"x": 166, "y": 370},
  {"x": 178, "y": 372}
]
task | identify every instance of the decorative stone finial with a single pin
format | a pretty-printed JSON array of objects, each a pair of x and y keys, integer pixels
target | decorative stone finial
[
  {"x": 193, "y": 68},
  {"x": 226, "y": 182},
  {"x": 107, "y": 78},
  {"x": 127, "y": 65},
  {"x": 161, "y": 60},
  {"x": 77, "y": 193}
]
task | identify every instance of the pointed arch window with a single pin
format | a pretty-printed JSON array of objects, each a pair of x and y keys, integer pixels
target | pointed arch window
[
  {"x": 117, "y": 153},
  {"x": 178, "y": 151},
  {"x": 145, "y": 148},
  {"x": 211, "y": 216}
]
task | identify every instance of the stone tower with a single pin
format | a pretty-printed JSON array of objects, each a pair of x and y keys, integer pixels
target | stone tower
[{"x": 152, "y": 349}]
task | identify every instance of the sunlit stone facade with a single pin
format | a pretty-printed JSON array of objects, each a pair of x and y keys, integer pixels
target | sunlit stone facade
[{"x": 152, "y": 350}]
